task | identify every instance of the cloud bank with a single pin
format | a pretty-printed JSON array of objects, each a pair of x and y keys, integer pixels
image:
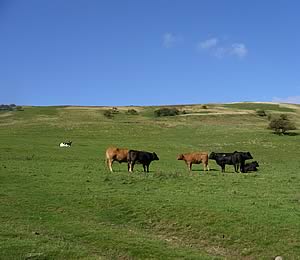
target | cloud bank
[
  {"x": 291, "y": 99},
  {"x": 207, "y": 44},
  {"x": 220, "y": 50}
]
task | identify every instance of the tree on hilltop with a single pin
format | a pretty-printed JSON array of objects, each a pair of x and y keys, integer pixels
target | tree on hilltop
[{"x": 281, "y": 125}]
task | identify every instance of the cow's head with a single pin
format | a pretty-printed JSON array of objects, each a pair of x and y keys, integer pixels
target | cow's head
[
  {"x": 247, "y": 155},
  {"x": 212, "y": 156},
  {"x": 180, "y": 157},
  {"x": 155, "y": 157},
  {"x": 255, "y": 163}
]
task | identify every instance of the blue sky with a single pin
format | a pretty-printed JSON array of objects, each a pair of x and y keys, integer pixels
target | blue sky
[{"x": 142, "y": 52}]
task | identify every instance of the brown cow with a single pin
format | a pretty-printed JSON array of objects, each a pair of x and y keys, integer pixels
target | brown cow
[
  {"x": 115, "y": 154},
  {"x": 195, "y": 158}
]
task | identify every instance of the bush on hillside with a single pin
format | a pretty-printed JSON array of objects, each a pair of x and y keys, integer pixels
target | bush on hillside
[
  {"x": 114, "y": 110},
  {"x": 261, "y": 112},
  {"x": 19, "y": 108},
  {"x": 11, "y": 107},
  {"x": 132, "y": 112},
  {"x": 166, "y": 112},
  {"x": 108, "y": 114},
  {"x": 280, "y": 125}
]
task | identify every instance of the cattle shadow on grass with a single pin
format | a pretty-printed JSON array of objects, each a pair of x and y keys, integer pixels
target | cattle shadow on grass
[
  {"x": 201, "y": 170},
  {"x": 286, "y": 134},
  {"x": 292, "y": 134}
]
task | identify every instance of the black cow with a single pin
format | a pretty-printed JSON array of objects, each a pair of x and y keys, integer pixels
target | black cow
[
  {"x": 251, "y": 167},
  {"x": 222, "y": 159},
  {"x": 142, "y": 157},
  {"x": 237, "y": 159}
]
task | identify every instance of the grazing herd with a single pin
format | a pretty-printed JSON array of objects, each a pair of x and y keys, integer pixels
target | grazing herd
[
  {"x": 131, "y": 157},
  {"x": 237, "y": 159}
]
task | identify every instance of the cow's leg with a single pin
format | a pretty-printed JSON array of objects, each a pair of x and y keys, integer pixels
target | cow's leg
[
  {"x": 130, "y": 166},
  {"x": 187, "y": 164},
  {"x": 205, "y": 167},
  {"x": 236, "y": 167},
  {"x": 144, "y": 166},
  {"x": 242, "y": 166},
  {"x": 110, "y": 162},
  {"x": 190, "y": 166},
  {"x": 223, "y": 167}
]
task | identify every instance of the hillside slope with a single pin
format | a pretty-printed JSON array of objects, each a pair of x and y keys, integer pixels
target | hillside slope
[{"x": 63, "y": 203}]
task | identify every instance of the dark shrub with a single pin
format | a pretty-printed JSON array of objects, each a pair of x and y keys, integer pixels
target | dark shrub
[
  {"x": 108, "y": 114},
  {"x": 166, "y": 112},
  {"x": 10, "y": 107},
  {"x": 261, "y": 112},
  {"x": 281, "y": 124},
  {"x": 132, "y": 112},
  {"x": 114, "y": 110}
]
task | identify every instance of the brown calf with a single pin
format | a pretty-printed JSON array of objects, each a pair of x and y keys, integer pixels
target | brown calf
[
  {"x": 195, "y": 158},
  {"x": 115, "y": 154}
]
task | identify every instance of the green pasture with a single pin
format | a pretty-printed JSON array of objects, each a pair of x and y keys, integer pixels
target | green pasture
[{"x": 63, "y": 203}]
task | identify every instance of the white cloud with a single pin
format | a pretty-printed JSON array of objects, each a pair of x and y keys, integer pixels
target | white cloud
[
  {"x": 220, "y": 49},
  {"x": 207, "y": 44},
  {"x": 292, "y": 99},
  {"x": 169, "y": 40},
  {"x": 239, "y": 50}
]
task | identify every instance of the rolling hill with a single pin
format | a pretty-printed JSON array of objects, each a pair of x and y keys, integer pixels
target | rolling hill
[{"x": 63, "y": 203}]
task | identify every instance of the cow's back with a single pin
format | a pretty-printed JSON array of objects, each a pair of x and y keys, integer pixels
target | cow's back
[
  {"x": 196, "y": 157},
  {"x": 135, "y": 156},
  {"x": 117, "y": 154},
  {"x": 132, "y": 155},
  {"x": 144, "y": 157},
  {"x": 139, "y": 156}
]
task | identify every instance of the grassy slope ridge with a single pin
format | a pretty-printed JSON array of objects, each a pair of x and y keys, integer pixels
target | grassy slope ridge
[{"x": 64, "y": 204}]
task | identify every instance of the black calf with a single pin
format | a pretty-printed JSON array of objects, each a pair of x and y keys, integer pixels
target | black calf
[
  {"x": 237, "y": 159},
  {"x": 142, "y": 157},
  {"x": 251, "y": 167}
]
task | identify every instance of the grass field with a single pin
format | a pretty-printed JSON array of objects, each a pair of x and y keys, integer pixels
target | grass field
[{"x": 63, "y": 203}]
